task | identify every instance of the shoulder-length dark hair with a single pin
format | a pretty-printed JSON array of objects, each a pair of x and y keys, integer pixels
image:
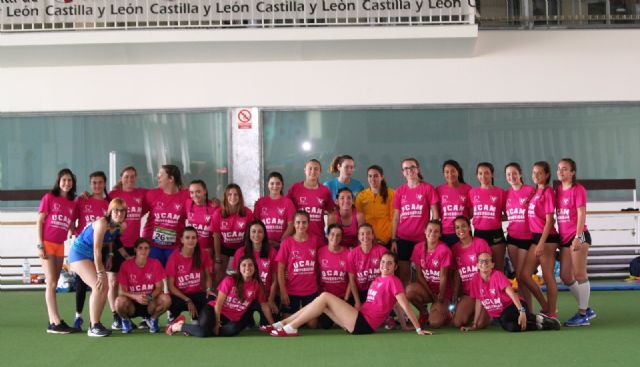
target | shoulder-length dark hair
[
  {"x": 56, "y": 190},
  {"x": 384, "y": 188},
  {"x": 239, "y": 282},
  {"x": 225, "y": 210},
  {"x": 248, "y": 245}
]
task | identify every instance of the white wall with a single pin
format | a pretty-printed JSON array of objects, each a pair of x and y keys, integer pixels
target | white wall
[{"x": 504, "y": 67}]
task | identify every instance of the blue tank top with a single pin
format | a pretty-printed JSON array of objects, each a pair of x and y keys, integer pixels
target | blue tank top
[{"x": 84, "y": 242}]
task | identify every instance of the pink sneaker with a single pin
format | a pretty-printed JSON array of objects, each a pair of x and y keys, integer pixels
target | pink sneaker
[{"x": 266, "y": 329}]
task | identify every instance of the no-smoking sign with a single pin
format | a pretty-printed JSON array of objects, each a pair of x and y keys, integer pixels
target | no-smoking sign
[{"x": 244, "y": 118}]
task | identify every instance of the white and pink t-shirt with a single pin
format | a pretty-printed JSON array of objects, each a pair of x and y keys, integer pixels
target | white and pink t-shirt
[
  {"x": 466, "y": 260},
  {"x": 365, "y": 267},
  {"x": 414, "y": 206},
  {"x": 231, "y": 228},
  {"x": 486, "y": 205},
  {"x": 541, "y": 204},
  {"x": 380, "y": 299},
  {"x": 88, "y": 210},
  {"x": 233, "y": 307},
  {"x": 300, "y": 261},
  {"x": 349, "y": 231},
  {"x": 266, "y": 266},
  {"x": 140, "y": 280},
  {"x": 568, "y": 202},
  {"x": 431, "y": 263},
  {"x": 276, "y": 214},
  {"x": 199, "y": 217},
  {"x": 454, "y": 201},
  {"x": 491, "y": 293},
  {"x": 187, "y": 279},
  {"x": 333, "y": 271},
  {"x": 166, "y": 218},
  {"x": 316, "y": 202},
  {"x": 516, "y": 204},
  {"x": 136, "y": 209},
  {"x": 59, "y": 212}
]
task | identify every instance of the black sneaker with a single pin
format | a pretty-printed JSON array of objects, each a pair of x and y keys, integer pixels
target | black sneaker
[
  {"x": 144, "y": 324},
  {"x": 98, "y": 330},
  {"x": 544, "y": 322},
  {"x": 61, "y": 328}
]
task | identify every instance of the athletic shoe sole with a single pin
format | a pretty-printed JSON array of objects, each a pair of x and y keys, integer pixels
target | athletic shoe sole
[{"x": 98, "y": 335}]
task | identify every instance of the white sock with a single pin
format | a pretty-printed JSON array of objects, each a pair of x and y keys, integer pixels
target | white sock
[
  {"x": 584, "y": 292},
  {"x": 573, "y": 288},
  {"x": 277, "y": 325},
  {"x": 289, "y": 329},
  {"x": 78, "y": 315}
]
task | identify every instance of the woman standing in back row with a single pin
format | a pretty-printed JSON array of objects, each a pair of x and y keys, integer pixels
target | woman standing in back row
[
  {"x": 571, "y": 199},
  {"x": 376, "y": 204},
  {"x": 344, "y": 166}
]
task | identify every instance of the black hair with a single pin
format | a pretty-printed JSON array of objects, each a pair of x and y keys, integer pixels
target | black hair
[
  {"x": 196, "y": 261},
  {"x": 101, "y": 175},
  {"x": 277, "y": 175},
  {"x": 456, "y": 165},
  {"x": 248, "y": 245},
  {"x": 489, "y": 166},
  {"x": 384, "y": 188},
  {"x": 56, "y": 190},
  {"x": 173, "y": 172}
]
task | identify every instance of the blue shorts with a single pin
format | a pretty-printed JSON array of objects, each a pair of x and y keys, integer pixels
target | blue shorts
[{"x": 161, "y": 254}]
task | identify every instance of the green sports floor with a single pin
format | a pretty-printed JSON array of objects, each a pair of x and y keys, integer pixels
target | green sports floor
[{"x": 613, "y": 339}]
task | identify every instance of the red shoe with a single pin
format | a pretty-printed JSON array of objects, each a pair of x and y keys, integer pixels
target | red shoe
[
  {"x": 176, "y": 320},
  {"x": 281, "y": 332},
  {"x": 266, "y": 328}
]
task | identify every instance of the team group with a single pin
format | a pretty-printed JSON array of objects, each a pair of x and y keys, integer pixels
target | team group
[{"x": 356, "y": 275}]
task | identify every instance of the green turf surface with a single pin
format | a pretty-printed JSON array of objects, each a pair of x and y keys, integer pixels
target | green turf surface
[{"x": 611, "y": 341}]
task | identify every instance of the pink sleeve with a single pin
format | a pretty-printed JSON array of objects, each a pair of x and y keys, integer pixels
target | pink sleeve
[
  {"x": 122, "y": 276},
  {"x": 226, "y": 285},
  {"x": 350, "y": 262},
  {"x": 206, "y": 261},
  {"x": 283, "y": 253},
  {"x": 415, "y": 255},
  {"x": 44, "y": 204},
  {"x": 261, "y": 297},
  {"x": 291, "y": 193},
  {"x": 433, "y": 196},
  {"x": 473, "y": 287},
  {"x": 503, "y": 281},
  {"x": 504, "y": 200},
  {"x": 396, "y": 198},
  {"x": 160, "y": 274},
  {"x": 328, "y": 200},
  {"x": 215, "y": 222},
  {"x": 291, "y": 210},
  {"x": 549, "y": 202},
  {"x": 581, "y": 196},
  {"x": 170, "y": 267},
  {"x": 445, "y": 259},
  {"x": 397, "y": 287},
  {"x": 236, "y": 258},
  {"x": 248, "y": 213},
  {"x": 274, "y": 262},
  {"x": 256, "y": 208},
  {"x": 483, "y": 246}
]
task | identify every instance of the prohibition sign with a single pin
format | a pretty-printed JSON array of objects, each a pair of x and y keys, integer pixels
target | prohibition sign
[{"x": 244, "y": 116}]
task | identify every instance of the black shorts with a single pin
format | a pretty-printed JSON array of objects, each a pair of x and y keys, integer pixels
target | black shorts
[
  {"x": 362, "y": 326},
  {"x": 587, "y": 239},
  {"x": 492, "y": 236},
  {"x": 552, "y": 238},
  {"x": 140, "y": 310},
  {"x": 405, "y": 249},
  {"x": 118, "y": 259},
  {"x": 297, "y": 302},
  {"x": 519, "y": 243},
  {"x": 227, "y": 251},
  {"x": 450, "y": 239}
]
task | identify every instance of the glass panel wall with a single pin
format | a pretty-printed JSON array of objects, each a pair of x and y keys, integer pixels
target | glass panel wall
[
  {"x": 34, "y": 148},
  {"x": 602, "y": 139}
]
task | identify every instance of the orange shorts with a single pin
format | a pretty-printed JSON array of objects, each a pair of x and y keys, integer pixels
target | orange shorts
[{"x": 52, "y": 248}]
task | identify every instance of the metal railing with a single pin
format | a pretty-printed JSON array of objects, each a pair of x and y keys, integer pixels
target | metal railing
[{"x": 144, "y": 14}]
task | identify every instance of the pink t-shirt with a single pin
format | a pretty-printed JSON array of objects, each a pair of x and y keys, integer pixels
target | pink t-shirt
[
  {"x": 568, "y": 202},
  {"x": 453, "y": 202},
  {"x": 166, "y": 218},
  {"x": 199, "y": 217},
  {"x": 365, "y": 267},
  {"x": 59, "y": 212},
  {"x": 233, "y": 308},
  {"x": 430, "y": 263},
  {"x": 380, "y": 299},
  {"x": 492, "y": 293},
  {"x": 187, "y": 278},
  {"x": 275, "y": 214},
  {"x": 300, "y": 261},
  {"x": 487, "y": 207},
  {"x": 88, "y": 210},
  {"x": 414, "y": 205},
  {"x": 542, "y": 203},
  {"x": 466, "y": 260},
  {"x": 136, "y": 209},
  {"x": 350, "y": 231},
  {"x": 266, "y": 266},
  {"x": 231, "y": 228},
  {"x": 515, "y": 206},
  {"x": 140, "y": 280},
  {"x": 333, "y": 271},
  {"x": 316, "y": 202}
]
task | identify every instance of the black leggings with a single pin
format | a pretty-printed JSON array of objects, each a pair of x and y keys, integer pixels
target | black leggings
[
  {"x": 509, "y": 319},
  {"x": 207, "y": 319},
  {"x": 81, "y": 293}
]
